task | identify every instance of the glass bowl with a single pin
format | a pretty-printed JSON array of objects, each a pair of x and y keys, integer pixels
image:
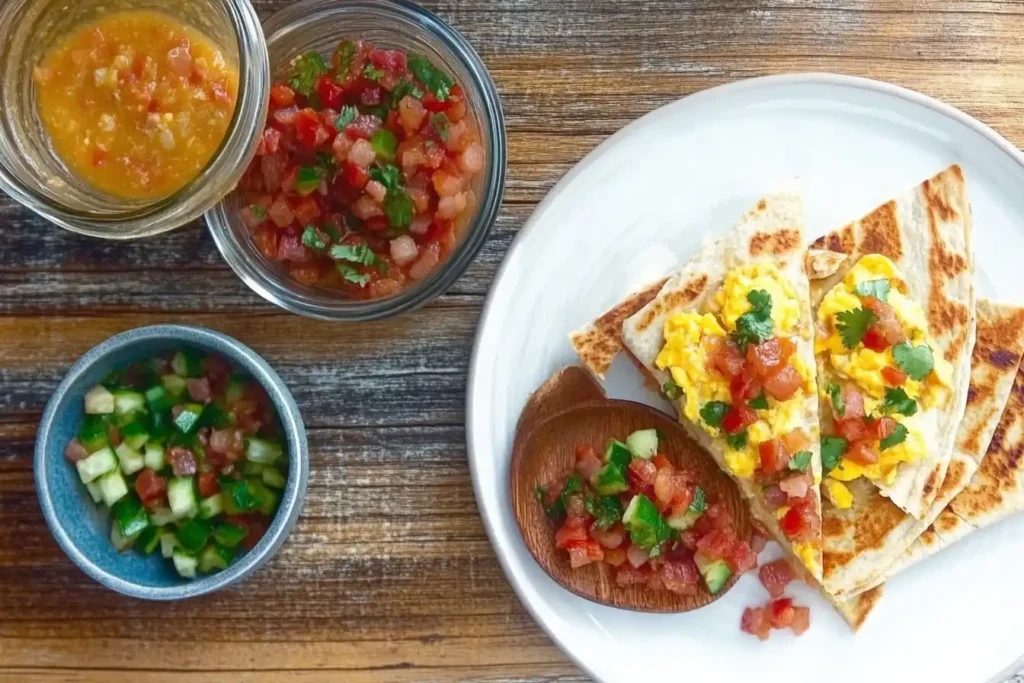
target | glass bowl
[
  {"x": 35, "y": 176},
  {"x": 320, "y": 25}
]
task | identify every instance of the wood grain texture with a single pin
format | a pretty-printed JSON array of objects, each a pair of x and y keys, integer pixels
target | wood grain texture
[{"x": 392, "y": 577}]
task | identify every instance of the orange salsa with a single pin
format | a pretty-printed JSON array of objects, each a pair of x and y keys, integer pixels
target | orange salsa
[{"x": 136, "y": 103}]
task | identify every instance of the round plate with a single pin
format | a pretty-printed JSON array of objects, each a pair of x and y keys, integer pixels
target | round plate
[{"x": 642, "y": 202}]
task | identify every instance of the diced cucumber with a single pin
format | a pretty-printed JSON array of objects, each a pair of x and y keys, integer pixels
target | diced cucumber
[
  {"x": 187, "y": 363},
  {"x": 252, "y": 469},
  {"x": 182, "y": 496},
  {"x": 643, "y": 443},
  {"x": 162, "y": 516},
  {"x": 184, "y": 563},
  {"x": 135, "y": 434},
  {"x": 273, "y": 478},
  {"x": 154, "y": 457},
  {"x": 128, "y": 402},
  {"x": 188, "y": 418},
  {"x": 117, "y": 538},
  {"x": 158, "y": 399},
  {"x": 96, "y": 465},
  {"x": 240, "y": 496},
  {"x": 214, "y": 559},
  {"x": 211, "y": 507},
  {"x": 270, "y": 499},
  {"x": 229, "y": 535},
  {"x": 715, "y": 573},
  {"x": 262, "y": 451},
  {"x": 192, "y": 536},
  {"x": 94, "y": 492},
  {"x": 610, "y": 479},
  {"x": 131, "y": 516},
  {"x": 627, "y": 516},
  {"x": 131, "y": 460},
  {"x": 148, "y": 540},
  {"x": 161, "y": 426},
  {"x": 112, "y": 487},
  {"x": 174, "y": 384},
  {"x": 682, "y": 522},
  {"x": 168, "y": 542},
  {"x": 93, "y": 433},
  {"x": 616, "y": 453},
  {"x": 99, "y": 401}
]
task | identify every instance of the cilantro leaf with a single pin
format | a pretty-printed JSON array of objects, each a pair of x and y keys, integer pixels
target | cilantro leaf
[
  {"x": 305, "y": 70},
  {"x": 574, "y": 484},
  {"x": 713, "y": 412},
  {"x": 671, "y": 390},
  {"x": 371, "y": 73},
  {"x": 897, "y": 401},
  {"x": 647, "y": 528},
  {"x": 800, "y": 461},
  {"x": 853, "y": 325},
  {"x": 700, "y": 501},
  {"x": 607, "y": 510},
  {"x": 916, "y": 361},
  {"x": 389, "y": 176},
  {"x": 755, "y": 325},
  {"x": 352, "y": 275},
  {"x": 347, "y": 115},
  {"x": 440, "y": 123},
  {"x": 357, "y": 253},
  {"x": 399, "y": 208},
  {"x": 401, "y": 90},
  {"x": 838, "y": 402},
  {"x": 759, "y": 403},
  {"x": 878, "y": 289},
  {"x": 737, "y": 441},
  {"x": 429, "y": 75},
  {"x": 343, "y": 58},
  {"x": 553, "y": 511},
  {"x": 832, "y": 449},
  {"x": 312, "y": 239},
  {"x": 898, "y": 436}
]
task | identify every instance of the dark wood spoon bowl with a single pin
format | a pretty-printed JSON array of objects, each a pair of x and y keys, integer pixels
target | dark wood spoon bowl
[{"x": 571, "y": 409}]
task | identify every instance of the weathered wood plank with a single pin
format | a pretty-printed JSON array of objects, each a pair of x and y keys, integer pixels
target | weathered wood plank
[{"x": 506, "y": 673}]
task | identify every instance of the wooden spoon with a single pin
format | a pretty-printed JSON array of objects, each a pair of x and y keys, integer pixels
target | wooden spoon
[{"x": 568, "y": 410}]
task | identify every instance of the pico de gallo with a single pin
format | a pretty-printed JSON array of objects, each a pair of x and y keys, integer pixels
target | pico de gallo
[
  {"x": 363, "y": 181},
  {"x": 779, "y": 612},
  {"x": 652, "y": 522},
  {"x": 187, "y": 455}
]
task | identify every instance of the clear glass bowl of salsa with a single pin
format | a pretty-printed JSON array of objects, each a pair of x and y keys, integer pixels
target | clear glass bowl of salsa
[
  {"x": 81, "y": 148},
  {"x": 365, "y": 260}
]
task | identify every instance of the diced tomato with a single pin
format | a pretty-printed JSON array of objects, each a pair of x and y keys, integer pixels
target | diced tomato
[
  {"x": 208, "y": 485},
  {"x": 801, "y": 619},
  {"x": 308, "y": 129},
  {"x": 744, "y": 387},
  {"x": 433, "y": 104},
  {"x": 766, "y": 358},
  {"x": 627, "y": 575},
  {"x": 740, "y": 557},
  {"x": 795, "y": 523},
  {"x": 774, "y": 456},
  {"x": 567, "y": 535},
  {"x": 688, "y": 539},
  {"x": 796, "y": 484},
  {"x": 389, "y": 60},
  {"x": 331, "y": 94},
  {"x": 724, "y": 357},
  {"x": 291, "y": 248},
  {"x": 306, "y": 210},
  {"x": 271, "y": 141},
  {"x": 717, "y": 544},
  {"x": 680, "y": 576},
  {"x": 852, "y": 429},
  {"x": 660, "y": 461},
  {"x": 893, "y": 377},
  {"x": 363, "y": 127},
  {"x": 862, "y": 453},
  {"x": 584, "y": 553},
  {"x": 615, "y": 557},
  {"x": 775, "y": 497},
  {"x": 718, "y": 515},
  {"x": 887, "y": 330},
  {"x": 307, "y": 275},
  {"x": 853, "y": 403},
  {"x": 664, "y": 487},
  {"x": 755, "y": 621},
  {"x": 782, "y": 612},
  {"x": 356, "y": 176},
  {"x": 281, "y": 96},
  {"x": 150, "y": 486},
  {"x": 683, "y": 491},
  {"x": 884, "y": 427},
  {"x": 608, "y": 538},
  {"x": 641, "y": 474},
  {"x": 266, "y": 241},
  {"x": 76, "y": 451},
  {"x": 796, "y": 441},
  {"x": 588, "y": 463},
  {"x": 775, "y": 576},
  {"x": 758, "y": 540},
  {"x": 784, "y": 383},
  {"x": 738, "y": 418}
]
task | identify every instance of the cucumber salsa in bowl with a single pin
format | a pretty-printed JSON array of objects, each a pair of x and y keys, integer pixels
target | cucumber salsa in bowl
[{"x": 187, "y": 455}]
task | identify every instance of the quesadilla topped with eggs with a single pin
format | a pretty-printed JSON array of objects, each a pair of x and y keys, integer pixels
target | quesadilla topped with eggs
[{"x": 729, "y": 341}]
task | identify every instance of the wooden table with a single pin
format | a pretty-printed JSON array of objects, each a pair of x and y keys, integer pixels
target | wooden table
[{"x": 389, "y": 575}]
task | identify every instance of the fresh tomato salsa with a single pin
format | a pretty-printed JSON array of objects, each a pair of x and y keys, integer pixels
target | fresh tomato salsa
[
  {"x": 633, "y": 510},
  {"x": 136, "y": 103},
  {"x": 187, "y": 455},
  {"x": 364, "y": 178}
]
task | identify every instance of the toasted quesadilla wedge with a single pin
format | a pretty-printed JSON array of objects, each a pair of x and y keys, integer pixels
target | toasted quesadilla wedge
[
  {"x": 729, "y": 341},
  {"x": 895, "y": 329},
  {"x": 878, "y": 535}
]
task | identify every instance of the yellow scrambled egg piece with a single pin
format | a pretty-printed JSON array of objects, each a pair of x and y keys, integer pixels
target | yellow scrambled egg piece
[
  {"x": 732, "y": 298},
  {"x": 685, "y": 357},
  {"x": 807, "y": 553},
  {"x": 839, "y": 494}
]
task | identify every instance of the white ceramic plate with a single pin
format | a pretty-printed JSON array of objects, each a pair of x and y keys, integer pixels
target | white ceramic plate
[{"x": 640, "y": 203}]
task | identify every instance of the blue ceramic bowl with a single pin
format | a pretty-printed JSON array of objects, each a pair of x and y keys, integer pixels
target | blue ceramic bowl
[{"x": 82, "y": 529}]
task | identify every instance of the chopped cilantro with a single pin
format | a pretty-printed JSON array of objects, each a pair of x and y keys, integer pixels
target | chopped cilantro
[
  {"x": 371, "y": 73},
  {"x": 647, "y": 528},
  {"x": 347, "y": 115},
  {"x": 853, "y": 325},
  {"x": 399, "y": 208},
  {"x": 574, "y": 484},
  {"x": 352, "y": 275},
  {"x": 378, "y": 110},
  {"x": 800, "y": 461},
  {"x": 759, "y": 403},
  {"x": 713, "y": 412},
  {"x": 326, "y": 162},
  {"x": 755, "y": 325},
  {"x": 607, "y": 510},
  {"x": 429, "y": 75},
  {"x": 553, "y": 511},
  {"x": 897, "y": 401},
  {"x": 401, "y": 90},
  {"x": 916, "y": 361},
  {"x": 737, "y": 441},
  {"x": 389, "y": 176},
  {"x": 700, "y": 501},
  {"x": 258, "y": 212},
  {"x": 305, "y": 70},
  {"x": 332, "y": 231},
  {"x": 440, "y": 123},
  {"x": 312, "y": 239},
  {"x": 671, "y": 390},
  {"x": 832, "y": 449},
  {"x": 878, "y": 289},
  {"x": 838, "y": 402},
  {"x": 358, "y": 253},
  {"x": 343, "y": 58},
  {"x": 898, "y": 436}
]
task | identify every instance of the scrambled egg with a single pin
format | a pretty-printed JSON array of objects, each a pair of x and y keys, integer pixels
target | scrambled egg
[
  {"x": 911, "y": 450},
  {"x": 731, "y": 300},
  {"x": 684, "y": 355},
  {"x": 838, "y": 493},
  {"x": 807, "y": 552}
]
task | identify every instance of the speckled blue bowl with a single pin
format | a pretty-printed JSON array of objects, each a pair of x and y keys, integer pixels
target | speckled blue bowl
[{"x": 82, "y": 528}]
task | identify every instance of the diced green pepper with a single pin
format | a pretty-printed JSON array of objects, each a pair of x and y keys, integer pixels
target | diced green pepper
[
  {"x": 268, "y": 499},
  {"x": 273, "y": 478},
  {"x": 610, "y": 479},
  {"x": 229, "y": 535},
  {"x": 130, "y": 516},
  {"x": 211, "y": 559},
  {"x": 252, "y": 469},
  {"x": 93, "y": 433},
  {"x": 188, "y": 419},
  {"x": 239, "y": 496},
  {"x": 158, "y": 399},
  {"x": 617, "y": 453},
  {"x": 149, "y": 539},
  {"x": 187, "y": 363},
  {"x": 215, "y": 417},
  {"x": 135, "y": 434},
  {"x": 175, "y": 385},
  {"x": 307, "y": 180},
  {"x": 194, "y": 534},
  {"x": 385, "y": 144}
]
